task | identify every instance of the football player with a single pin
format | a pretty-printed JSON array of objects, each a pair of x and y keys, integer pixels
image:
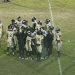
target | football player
[
  {"x": 10, "y": 42},
  {"x": 58, "y": 40}
]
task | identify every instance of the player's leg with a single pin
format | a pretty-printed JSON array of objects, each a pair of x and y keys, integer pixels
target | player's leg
[{"x": 59, "y": 48}]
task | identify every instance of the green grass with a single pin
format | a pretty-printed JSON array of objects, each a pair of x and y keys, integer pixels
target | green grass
[{"x": 64, "y": 17}]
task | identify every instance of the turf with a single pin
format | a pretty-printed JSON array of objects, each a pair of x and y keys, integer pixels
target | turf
[{"x": 64, "y": 17}]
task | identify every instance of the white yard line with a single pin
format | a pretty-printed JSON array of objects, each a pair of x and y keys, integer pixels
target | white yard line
[
  {"x": 59, "y": 63},
  {"x": 51, "y": 13},
  {"x": 52, "y": 19}
]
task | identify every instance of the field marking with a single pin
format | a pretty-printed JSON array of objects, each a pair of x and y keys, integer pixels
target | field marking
[
  {"x": 52, "y": 18},
  {"x": 59, "y": 63},
  {"x": 51, "y": 13}
]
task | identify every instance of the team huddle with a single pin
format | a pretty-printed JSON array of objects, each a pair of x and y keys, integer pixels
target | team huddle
[{"x": 32, "y": 41}]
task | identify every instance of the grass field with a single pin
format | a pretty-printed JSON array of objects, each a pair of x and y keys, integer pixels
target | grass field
[{"x": 64, "y": 17}]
